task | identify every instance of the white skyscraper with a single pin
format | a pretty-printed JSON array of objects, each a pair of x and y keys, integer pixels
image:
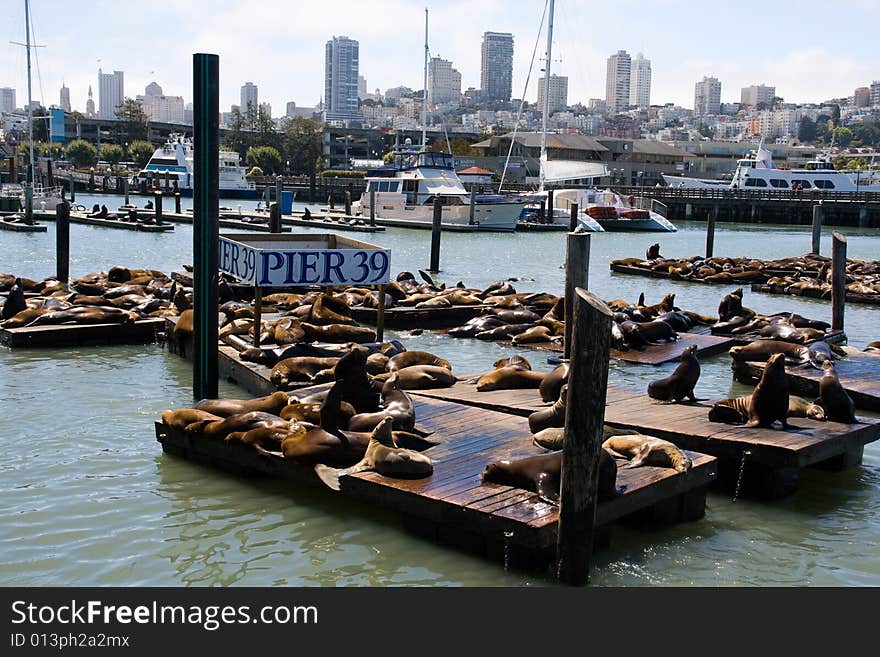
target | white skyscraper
[
  {"x": 757, "y": 93},
  {"x": 248, "y": 97},
  {"x": 558, "y": 94},
  {"x": 640, "y": 82},
  {"x": 707, "y": 97},
  {"x": 617, "y": 81},
  {"x": 64, "y": 98},
  {"x": 7, "y": 99},
  {"x": 161, "y": 108},
  {"x": 341, "y": 63},
  {"x": 111, "y": 92},
  {"x": 362, "y": 87},
  {"x": 444, "y": 82}
]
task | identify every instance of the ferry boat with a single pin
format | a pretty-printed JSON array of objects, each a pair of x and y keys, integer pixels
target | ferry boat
[
  {"x": 173, "y": 161},
  {"x": 406, "y": 188}
]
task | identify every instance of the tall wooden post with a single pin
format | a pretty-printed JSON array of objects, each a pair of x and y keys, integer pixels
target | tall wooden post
[
  {"x": 584, "y": 419},
  {"x": 279, "y": 188},
  {"x": 258, "y": 314},
  {"x": 549, "y": 216},
  {"x": 542, "y": 217},
  {"x": 472, "y": 209},
  {"x": 838, "y": 279},
  {"x": 347, "y": 203},
  {"x": 157, "y": 207},
  {"x": 275, "y": 218},
  {"x": 72, "y": 188},
  {"x": 62, "y": 243},
  {"x": 125, "y": 189},
  {"x": 577, "y": 274},
  {"x": 177, "y": 208},
  {"x": 435, "y": 235},
  {"x": 372, "y": 207},
  {"x": 818, "y": 216},
  {"x": 206, "y": 214},
  {"x": 710, "y": 231},
  {"x": 573, "y": 218},
  {"x": 380, "y": 316}
]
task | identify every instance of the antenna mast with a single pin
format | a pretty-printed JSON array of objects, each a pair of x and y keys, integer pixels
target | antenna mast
[
  {"x": 546, "y": 100},
  {"x": 425, "y": 89}
]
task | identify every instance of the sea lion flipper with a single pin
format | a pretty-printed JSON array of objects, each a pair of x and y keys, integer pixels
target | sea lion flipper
[
  {"x": 330, "y": 476},
  {"x": 640, "y": 457},
  {"x": 546, "y": 488}
]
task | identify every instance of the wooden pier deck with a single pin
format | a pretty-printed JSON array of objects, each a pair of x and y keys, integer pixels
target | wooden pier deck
[
  {"x": 774, "y": 457},
  {"x": 68, "y": 335},
  {"x": 454, "y": 505},
  {"x": 851, "y": 297},
  {"x": 408, "y": 317},
  {"x": 117, "y": 224},
  {"x": 859, "y": 373},
  {"x": 22, "y": 228},
  {"x": 324, "y": 221}
]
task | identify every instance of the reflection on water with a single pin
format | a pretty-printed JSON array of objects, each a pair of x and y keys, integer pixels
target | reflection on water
[{"x": 88, "y": 498}]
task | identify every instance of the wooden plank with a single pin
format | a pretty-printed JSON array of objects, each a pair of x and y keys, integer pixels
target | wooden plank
[
  {"x": 657, "y": 354},
  {"x": 425, "y": 318},
  {"x": 68, "y": 335}
]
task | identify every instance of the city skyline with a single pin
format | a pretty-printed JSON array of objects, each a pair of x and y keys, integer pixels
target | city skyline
[{"x": 688, "y": 50}]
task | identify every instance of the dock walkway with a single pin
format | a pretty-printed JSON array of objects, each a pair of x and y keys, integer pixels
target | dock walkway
[{"x": 69, "y": 335}]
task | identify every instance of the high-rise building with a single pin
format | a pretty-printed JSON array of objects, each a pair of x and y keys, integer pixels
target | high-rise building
[
  {"x": 64, "y": 98},
  {"x": 757, "y": 94},
  {"x": 291, "y": 108},
  {"x": 153, "y": 89},
  {"x": 362, "y": 87},
  {"x": 248, "y": 97},
  {"x": 111, "y": 92},
  {"x": 496, "y": 74},
  {"x": 341, "y": 63},
  {"x": 617, "y": 81},
  {"x": 444, "y": 82},
  {"x": 396, "y": 93},
  {"x": 267, "y": 109},
  {"x": 862, "y": 97},
  {"x": 90, "y": 105},
  {"x": 707, "y": 97},
  {"x": 7, "y": 99},
  {"x": 875, "y": 93},
  {"x": 161, "y": 108},
  {"x": 640, "y": 82},
  {"x": 557, "y": 96}
]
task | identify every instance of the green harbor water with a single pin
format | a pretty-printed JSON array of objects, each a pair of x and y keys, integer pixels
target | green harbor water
[{"x": 89, "y": 498}]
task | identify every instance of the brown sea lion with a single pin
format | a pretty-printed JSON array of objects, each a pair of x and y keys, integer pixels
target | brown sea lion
[
  {"x": 302, "y": 369},
  {"x": 533, "y": 335},
  {"x": 769, "y": 401},
  {"x": 15, "y": 301},
  {"x": 266, "y": 357},
  {"x": 288, "y": 330},
  {"x": 552, "y": 384},
  {"x": 310, "y": 412},
  {"x": 377, "y": 363},
  {"x": 383, "y": 456},
  {"x": 761, "y": 350},
  {"x": 337, "y": 333},
  {"x": 782, "y": 331},
  {"x": 86, "y": 315},
  {"x": 351, "y": 375},
  {"x": 681, "y": 382},
  {"x": 225, "y": 407},
  {"x": 23, "y": 318},
  {"x": 241, "y": 422},
  {"x": 731, "y": 305},
  {"x": 873, "y": 346},
  {"x": 648, "y": 450},
  {"x": 183, "y": 417},
  {"x": 516, "y": 359},
  {"x": 508, "y": 316},
  {"x": 396, "y": 404},
  {"x": 736, "y": 410},
  {"x": 653, "y": 252},
  {"x": 329, "y": 310},
  {"x": 423, "y": 377},
  {"x": 838, "y": 405},
  {"x": 410, "y": 358},
  {"x": 509, "y": 378},
  {"x": 503, "y": 332},
  {"x": 657, "y": 330},
  {"x": 542, "y": 473},
  {"x": 550, "y": 417}
]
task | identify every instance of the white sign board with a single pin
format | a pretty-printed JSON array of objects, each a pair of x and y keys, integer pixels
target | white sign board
[{"x": 303, "y": 260}]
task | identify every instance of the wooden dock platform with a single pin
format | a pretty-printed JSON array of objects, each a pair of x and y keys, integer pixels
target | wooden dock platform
[
  {"x": 325, "y": 222},
  {"x": 68, "y": 335},
  {"x": 454, "y": 505},
  {"x": 22, "y": 228},
  {"x": 117, "y": 224},
  {"x": 859, "y": 373},
  {"x": 773, "y": 457},
  {"x": 408, "y": 317},
  {"x": 851, "y": 297}
]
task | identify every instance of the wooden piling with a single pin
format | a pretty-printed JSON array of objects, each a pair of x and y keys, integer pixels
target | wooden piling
[
  {"x": 125, "y": 189},
  {"x": 549, "y": 216},
  {"x": 542, "y": 217},
  {"x": 818, "y": 216},
  {"x": 347, "y": 203},
  {"x": 258, "y": 313},
  {"x": 838, "y": 279},
  {"x": 573, "y": 218},
  {"x": 62, "y": 243},
  {"x": 584, "y": 421},
  {"x": 472, "y": 210},
  {"x": 157, "y": 207},
  {"x": 72, "y": 189},
  {"x": 206, "y": 215},
  {"x": 380, "y": 316},
  {"x": 275, "y": 217},
  {"x": 577, "y": 275},
  {"x": 177, "y": 208},
  {"x": 710, "y": 231},
  {"x": 435, "y": 236},
  {"x": 279, "y": 189},
  {"x": 372, "y": 206}
]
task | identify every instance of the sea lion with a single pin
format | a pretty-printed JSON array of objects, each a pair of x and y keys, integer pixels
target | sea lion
[
  {"x": 681, "y": 382},
  {"x": 761, "y": 350},
  {"x": 648, "y": 450},
  {"x": 782, "y": 330},
  {"x": 533, "y": 335},
  {"x": 551, "y": 438},
  {"x": 819, "y": 353},
  {"x": 503, "y": 332},
  {"x": 653, "y": 252},
  {"x": 225, "y": 407},
  {"x": 509, "y": 378},
  {"x": 516, "y": 359},
  {"x": 377, "y": 363},
  {"x": 15, "y": 301},
  {"x": 410, "y": 358},
  {"x": 542, "y": 473},
  {"x": 657, "y": 330},
  {"x": 302, "y": 369},
  {"x": 396, "y": 404},
  {"x": 550, "y": 417},
  {"x": 86, "y": 315},
  {"x": 288, "y": 330},
  {"x": 351, "y": 375},
  {"x": 508, "y": 316},
  {"x": 872, "y": 346},
  {"x": 243, "y": 422},
  {"x": 736, "y": 410},
  {"x": 23, "y": 318},
  {"x": 769, "y": 401},
  {"x": 183, "y": 417},
  {"x": 382, "y": 455},
  {"x": 337, "y": 333},
  {"x": 838, "y": 405},
  {"x": 553, "y": 382},
  {"x": 266, "y": 357},
  {"x": 424, "y": 377},
  {"x": 731, "y": 305}
]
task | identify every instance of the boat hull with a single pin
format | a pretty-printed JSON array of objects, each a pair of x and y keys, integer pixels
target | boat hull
[{"x": 633, "y": 225}]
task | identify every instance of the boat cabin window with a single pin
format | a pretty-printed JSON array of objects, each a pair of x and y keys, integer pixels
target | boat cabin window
[
  {"x": 747, "y": 164},
  {"x": 802, "y": 184},
  {"x": 778, "y": 183},
  {"x": 411, "y": 188},
  {"x": 756, "y": 182},
  {"x": 823, "y": 184}
]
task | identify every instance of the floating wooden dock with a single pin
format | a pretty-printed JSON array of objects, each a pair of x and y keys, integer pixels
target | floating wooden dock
[
  {"x": 534, "y": 227},
  {"x": 22, "y": 228},
  {"x": 324, "y": 221},
  {"x": 223, "y": 222},
  {"x": 650, "y": 273},
  {"x": 454, "y": 505},
  {"x": 773, "y": 457},
  {"x": 851, "y": 297},
  {"x": 408, "y": 317},
  {"x": 68, "y": 335},
  {"x": 859, "y": 374}
]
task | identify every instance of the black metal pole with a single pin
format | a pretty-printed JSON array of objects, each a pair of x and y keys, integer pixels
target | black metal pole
[
  {"x": 206, "y": 232},
  {"x": 435, "y": 235},
  {"x": 62, "y": 243}
]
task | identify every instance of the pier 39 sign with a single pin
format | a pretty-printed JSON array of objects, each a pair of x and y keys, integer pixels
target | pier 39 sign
[{"x": 298, "y": 260}]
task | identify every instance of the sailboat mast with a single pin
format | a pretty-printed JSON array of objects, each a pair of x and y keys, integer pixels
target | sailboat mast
[
  {"x": 546, "y": 98},
  {"x": 29, "y": 180},
  {"x": 425, "y": 89}
]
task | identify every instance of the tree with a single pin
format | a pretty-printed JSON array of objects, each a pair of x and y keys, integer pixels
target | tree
[
  {"x": 140, "y": 152},
  {"x": 842, "y": 137},
  {"x": 807, "y": 130},
  {"x": 835, "y": 115},
  {"x": 82, "y": 153},
  {"x": 266, "y": 158},
  {"x": 133, "y": 120},
  {"x": 112, "y": 153},
  {"x": 41, "y": 125},
  {"x": 302, "y": 144}
]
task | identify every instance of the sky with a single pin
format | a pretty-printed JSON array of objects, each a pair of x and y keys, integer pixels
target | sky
[{"x": 810, "y": 50}]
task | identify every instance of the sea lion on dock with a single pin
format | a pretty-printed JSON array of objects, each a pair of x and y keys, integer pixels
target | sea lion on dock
[
  {"x": 657, "y": 330},
  {"x": 648, "y": 450},
  {"x": 731, "y": 305},
  {"x": 503, "y": 332},
  {"x": 302, "y": 369},
  {"x": 410, "y": 358},
  {"x": 242, "y": 422},
  {"x": 337, "y": 333},
  {"x": 872, "y": 346},
  {"x": 86, "y": 315},
  {"x": 552, "y": 384},
  {"x": 377, "y": 363},
  {"x": 225, "y": 407},
  {"x": 303, "y": 411},
  {"x": 509, "y": 378},
  {"x": 183, "y": 417},
  {"x": 383, "y": 456},
  {"x": 736, "y": 410},
  {"x": 423, "y": 377},
  {"x": 550, "y": 417},
  {"x": 516, "y": 359},
  {"x": 351, "y": 375},
  {"x": 838, "y": 405},
  {"x": 396, "y": 404},
  {"x": 761, "y": 350},
  {"x": 266, "y": 357},
  {"x": 782, "y": 330},
  {"x": 15, "y": 301},
  {"x": 23, "y": 318},
  {"x": 542, "y": 473},
  {"x": 819, "y": 353},
  {"x": 653, "y": 252},
  {"x": 288, "y": 330},
  {"x": 769, "y": 401},
  {"x": 534, "y": 335},
  {"x": 681, "y": 382}
]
